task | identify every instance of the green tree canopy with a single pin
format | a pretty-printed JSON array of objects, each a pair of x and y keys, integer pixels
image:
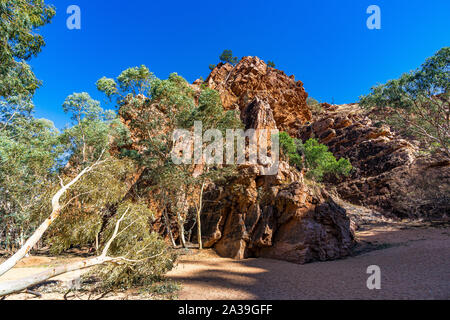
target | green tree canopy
[
  {"x": 314, "y": 157},
  {"x": 418, "y": 103},
  {"x": 29, "y": 153},
  {"x": 131, "y": 82},
  {"x": 20, "y": 41},
  {"x": 227, "y": 57},
  {"x": 92, "y": 128},
  {"x": 271, "y": 64}
]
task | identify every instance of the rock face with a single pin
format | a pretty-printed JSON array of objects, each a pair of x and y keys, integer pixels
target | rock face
[
  {"x": 251, "y": 78},
  {"x": 274, "y": 216},
  {"x": 388, "y": 176}
]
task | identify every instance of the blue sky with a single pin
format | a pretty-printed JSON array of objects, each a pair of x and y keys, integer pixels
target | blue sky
[{"x": 325, "y": 44}]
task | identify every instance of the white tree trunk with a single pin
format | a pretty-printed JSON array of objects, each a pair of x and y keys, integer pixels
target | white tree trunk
[
  {"x": 13, "y": 286},
  {"x": 37, "y": 235}
]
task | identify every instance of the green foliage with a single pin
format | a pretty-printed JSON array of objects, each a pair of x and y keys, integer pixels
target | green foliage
[
  {"x": 320, "y": 161},
  {"x": 131, "y": 82},
  {"x": 165, "y": 287},
  {"x": 15, "y": 107},
  {"x": 19, "y": 21},
  {"x": 290, "y": 148},
  {"x": 108, "y": 86},
  {"x": 94, "y": 199},
  {"x": 313, "y": 156},
  {"x": 314, "y": 105},
  {"x": 212, "y": 66},
  {"x": 418, "y": 103},
  {"x": 211, "y": 113},
  {"x": 91, "y": 131},
  {"x": 147, "y": 253},
  {"x": 29, "y": 152},
  {"x": 135, "y": 80},
  {"x": 271, "y": 64},
  {"x": 227, "y": 57}
]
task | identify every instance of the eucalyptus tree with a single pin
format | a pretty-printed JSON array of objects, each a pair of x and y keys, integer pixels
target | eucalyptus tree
[
  {"x": 29, "y": 152},
  {"x": 90, "y": 130},
  {"x": 418, "y": 103},
  {"x": 154, "y": 109},
  {"x": 20, "y": 21}
]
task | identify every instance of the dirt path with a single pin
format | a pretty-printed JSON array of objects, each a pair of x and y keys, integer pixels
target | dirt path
[{"x": 415, "y": 264}]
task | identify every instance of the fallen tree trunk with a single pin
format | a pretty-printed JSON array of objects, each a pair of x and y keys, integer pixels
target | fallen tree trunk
[
  {"x": 37, "y": 235},
  {"x": 13, "y": 286}
]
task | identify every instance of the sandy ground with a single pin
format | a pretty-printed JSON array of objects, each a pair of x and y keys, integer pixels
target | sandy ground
[
  {"x": 59, "y": 288},
  {"x": 414, "y": 262}
]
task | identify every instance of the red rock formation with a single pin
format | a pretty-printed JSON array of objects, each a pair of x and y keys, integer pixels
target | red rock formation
[
  {"x": 389, "y": 175},
  {"x": 278, "y": 216},
  {"x": 251, "y": 78}
]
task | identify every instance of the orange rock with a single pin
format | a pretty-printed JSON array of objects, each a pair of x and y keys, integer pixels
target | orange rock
[{"x": 251, "y": 78}]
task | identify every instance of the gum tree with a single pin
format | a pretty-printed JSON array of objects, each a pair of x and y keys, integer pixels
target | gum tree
[
  {"x": 20, "y": 21},
  {"x": 154, "y": 112},
  {"x": 29, "y": 149},
  {"x": 227, "y": 57},
  {"x": 418, "y": 103}
]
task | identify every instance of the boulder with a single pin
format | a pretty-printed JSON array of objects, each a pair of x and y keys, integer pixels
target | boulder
[{"x": 283, "y": 220}]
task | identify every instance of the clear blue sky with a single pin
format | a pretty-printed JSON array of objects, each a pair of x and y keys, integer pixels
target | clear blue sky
[{"x": 325, "y": 44}]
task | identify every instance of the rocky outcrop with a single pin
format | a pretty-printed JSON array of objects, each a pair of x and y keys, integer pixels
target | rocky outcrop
[
  {"x": 274, "y": 216},
  {"x": 251, "y": 77},
  {"x": 389, "y": 175}
]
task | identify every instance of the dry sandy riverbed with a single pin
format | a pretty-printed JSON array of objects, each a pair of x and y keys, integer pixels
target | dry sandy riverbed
[{"x": 414, "y": 262}]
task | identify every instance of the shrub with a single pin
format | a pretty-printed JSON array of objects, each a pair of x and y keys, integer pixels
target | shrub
[
  {"x": 227, "y": 57},
  {"x": 320, "y": 161},
  {"x": 316, "y": 158},
  {"x": 314, "y": 105},
  {"x": 290, "y": 149}
]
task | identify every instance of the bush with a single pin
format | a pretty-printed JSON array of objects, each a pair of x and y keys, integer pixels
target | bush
[
  {"x": 290, "y": 148},
  {"x": 227, "y": 57},
  {"x": 314, "y": 105},
  {"x": 320, "y": 161},
  {"x": 313, "y": 156}
]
